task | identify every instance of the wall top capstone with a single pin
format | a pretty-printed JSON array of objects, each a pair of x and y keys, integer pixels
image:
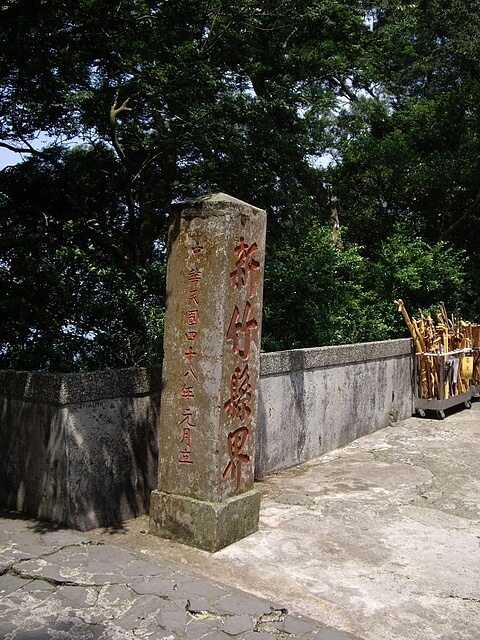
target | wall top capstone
[{"x": 73, "y": 388}]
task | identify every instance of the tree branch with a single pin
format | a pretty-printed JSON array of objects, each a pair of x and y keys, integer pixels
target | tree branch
[
  {"x": 466, "y": 214},
  {"x": 27, "y": 149},
  {"x": 346, "y": 90},
  {"x": 115, "y": 110}
]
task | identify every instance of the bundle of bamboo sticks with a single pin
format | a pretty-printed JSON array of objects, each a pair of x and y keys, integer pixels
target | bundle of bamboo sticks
[{"x": 447, "y": 351}]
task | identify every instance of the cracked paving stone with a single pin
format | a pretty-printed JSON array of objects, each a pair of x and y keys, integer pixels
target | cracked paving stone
[
  {"x": 10, "y": 583},
  {"x": 198, "y": 628},
  {"x": 77, "y": 551},
  {"x": 77, "y": 596},
  {"x": 332, "y": 634},
  {"x": 200, "y": 588},
  {"x": 198, "y": 605},
  {"x": 41, "y": 569},
  {"x": 297, "y": 626},
  {"x": 238, "y": 624},
  {"x": 38, "y": 588},
  {"x": 176, "y": 622},
  {"x": 34, "y": 634},
  {"x": 173, "y": 618},
  {"x": 116, "y": 595},
  {"x": 9, "y": 557},
  {"x": 176, "y": 604},
  {"x": 141, "y": 568},
  {"x": 96, "y": 618},
  {"x": 143, "y": 607},
  {"x": 6, "y": 628},
  {"x": 75, "y": 630},
  {"x": 272, "y": 622},
  {"x": 157, "y": 586},
  {"x": 238, "y": 604},
  {"x": 153, "y": 632},
  {"x": 64, "y": 621},
  {"x": 28, "y": 550},
  {"x": 4, "y": 539},
  {"x": 91, "y": 575},
  {"x": 103, "y": 553}
]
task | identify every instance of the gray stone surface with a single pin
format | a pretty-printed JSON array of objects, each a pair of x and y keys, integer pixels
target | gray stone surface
[
  {"x": 278, "y": 362},
  {"x": 382, "y": 542},
  {"x": 58, "y": 584},
  {"x": 79, "y": 449},
  {"x": 74, "y": 388},
  {"x": 202, "y": 523},
  {"x": 238, "y": 624},
  {"x": 209, "y": 400},
  {"x": 387, "y": 546},
  {"x": 313, "y": 401}
]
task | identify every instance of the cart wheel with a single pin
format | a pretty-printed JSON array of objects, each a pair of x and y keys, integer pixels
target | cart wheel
[
  {"x": 468, "y": 404},
  {"x": 441, "y": 415},
  {"x": 421, "y": 413}
]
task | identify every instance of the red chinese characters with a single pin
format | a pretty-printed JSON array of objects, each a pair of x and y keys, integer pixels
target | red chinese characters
[
  {"x": 238, "y": 405},
  {"x": 192, "y": 322},
  {"x": 236, "y": 444},
  {"x": 245, "y": 266},
  {"x": 239, "y": 331}
]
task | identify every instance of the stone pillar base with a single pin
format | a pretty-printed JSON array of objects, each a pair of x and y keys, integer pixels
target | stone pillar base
[{"x": 199, "y": 523}]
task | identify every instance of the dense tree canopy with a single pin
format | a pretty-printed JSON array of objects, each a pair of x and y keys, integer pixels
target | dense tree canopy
[{"x": 355, "y": 125}]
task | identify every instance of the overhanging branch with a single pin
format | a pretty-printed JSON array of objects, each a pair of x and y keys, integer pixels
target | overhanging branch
[
  {"x": 28, "y": 148},
  {"x": 465, "y": 215}
]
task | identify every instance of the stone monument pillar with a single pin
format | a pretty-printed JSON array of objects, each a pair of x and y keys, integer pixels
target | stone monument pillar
[{"x": 205, "y": 495}]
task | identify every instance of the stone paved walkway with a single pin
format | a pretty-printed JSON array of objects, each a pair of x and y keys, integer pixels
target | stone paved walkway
[
  {"x": 61, "y": 584},
  {"x": 379, "y": 540}
]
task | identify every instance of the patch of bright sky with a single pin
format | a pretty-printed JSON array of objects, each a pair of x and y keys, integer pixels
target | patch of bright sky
[{"x": 9, "y": 158}]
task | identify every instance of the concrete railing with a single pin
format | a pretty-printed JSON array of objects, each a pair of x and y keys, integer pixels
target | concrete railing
[
  {"x": 315, "y": 400},
  {"x": 81, "y": 449}
]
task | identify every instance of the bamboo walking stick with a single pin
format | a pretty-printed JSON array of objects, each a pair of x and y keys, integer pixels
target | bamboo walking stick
[{"x": 419, "y": 348}]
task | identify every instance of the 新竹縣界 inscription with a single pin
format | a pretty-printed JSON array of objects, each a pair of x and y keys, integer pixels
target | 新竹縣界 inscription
[{"x": 242, "y": 323}]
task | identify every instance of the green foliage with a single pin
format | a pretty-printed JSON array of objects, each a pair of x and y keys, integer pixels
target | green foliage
[
  {"x": 313, "y": 294},
  {"x": 175, "y": 99},
  {"x": 319, "y": 294},
  {"x": 421, "y": 274},
  {"x": 74, "y": 297},
  {"x": 410, "y": 148}
]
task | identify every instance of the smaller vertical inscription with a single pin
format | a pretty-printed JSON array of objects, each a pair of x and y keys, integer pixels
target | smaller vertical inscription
[{"x": 192, "y": 319}]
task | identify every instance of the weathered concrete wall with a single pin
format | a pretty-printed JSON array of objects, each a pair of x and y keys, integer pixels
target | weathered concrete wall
[
  {"x": 316, "y": 400},
  {"x": 79, "y": 449}
]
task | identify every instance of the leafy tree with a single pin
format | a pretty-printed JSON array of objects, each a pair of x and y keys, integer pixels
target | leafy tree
[
  {"x": 172, "y": 99},
  {"x": 177, "y": 98},
  {"x": 192, "y": 95},
  {"x": 419, "y": 134},
  {"x": 317, "y": 293},
  {"x": 408, "y": 149},
  {"x": 422, "y": 274},
  {"x": 73, "y": 297}
]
